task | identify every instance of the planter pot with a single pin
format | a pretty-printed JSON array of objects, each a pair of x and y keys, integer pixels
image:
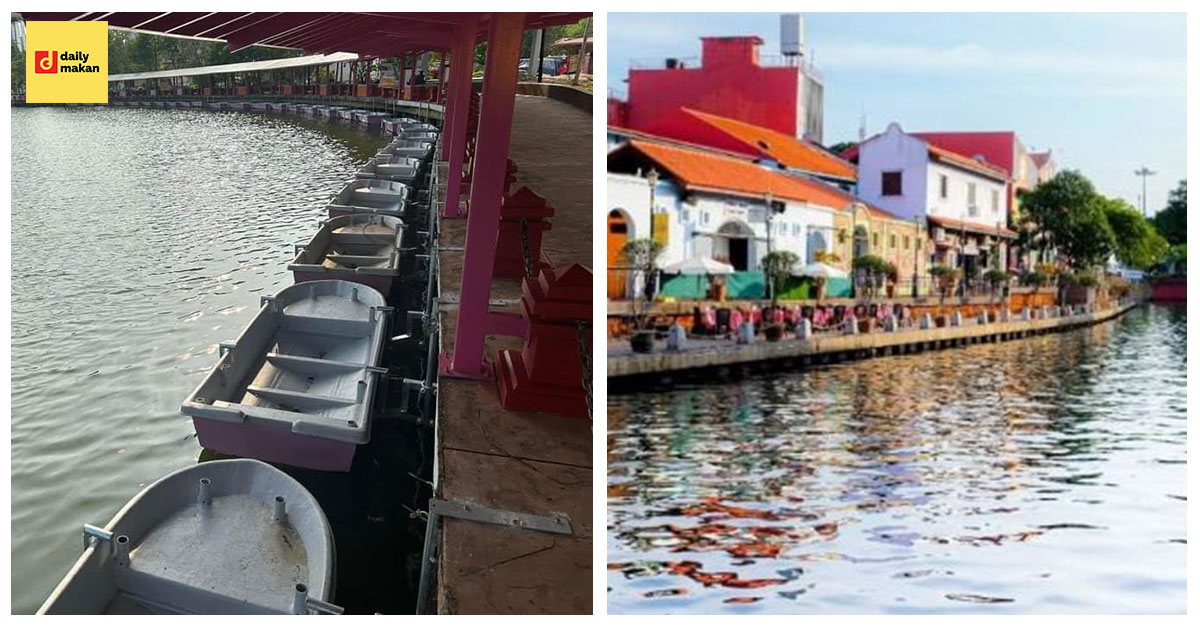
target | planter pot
[
  {"x": 773, "y": 333},
  {"x": 866, "y": 325},
  {"x": 941, "y": 320},
  {"x": 642, "y": 342}
]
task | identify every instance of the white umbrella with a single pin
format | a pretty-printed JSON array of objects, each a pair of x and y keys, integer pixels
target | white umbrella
[
  {"x": 820, "y": 269},
  {"x": 698, "y": 266}
]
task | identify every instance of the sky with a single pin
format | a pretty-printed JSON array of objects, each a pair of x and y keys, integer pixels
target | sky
[{"x": 1106, "y": 92}]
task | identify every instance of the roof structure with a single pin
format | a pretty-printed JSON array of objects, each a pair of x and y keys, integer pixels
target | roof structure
[
  {"x": 1040, "y": 159},
  {"x": 368, "y": 34},
  {"x": 707, "y": 171},
  {"x": 789, "y": 151},
  {"x": 996, "y": 147},
  {"x": 250, "y": 66},
  {"x": 941, "y": 154}
]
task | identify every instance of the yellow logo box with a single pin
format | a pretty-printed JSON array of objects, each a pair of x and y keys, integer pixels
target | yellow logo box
[{"x": 66, "y": 62}]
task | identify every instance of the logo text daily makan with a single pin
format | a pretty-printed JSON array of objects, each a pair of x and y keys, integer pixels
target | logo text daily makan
[{"x": 81, "y": 58}]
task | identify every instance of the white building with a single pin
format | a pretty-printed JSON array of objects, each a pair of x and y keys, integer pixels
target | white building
[
  {"x": 964, "y": 199},
  {"x": 713, "y": 205}
]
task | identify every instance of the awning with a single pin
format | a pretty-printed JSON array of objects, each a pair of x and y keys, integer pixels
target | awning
[
  {"x": 819, "y": 269},
  {"x": 229, "y": 68},
  {"x": 698, "y": 266},
  {"x": 958, "y": 226}
]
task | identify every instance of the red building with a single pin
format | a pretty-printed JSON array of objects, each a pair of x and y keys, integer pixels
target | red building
[{"x": 731, "y": 81}]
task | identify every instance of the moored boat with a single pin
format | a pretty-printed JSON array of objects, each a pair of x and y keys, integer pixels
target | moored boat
[
  {"x": 408, "y": 148},
  {"x": 363, "y": 248},
  {"x": 298, "y": 385},
  {"x": 392, "y": 168},
  {"x": 222, "y": 537},
  {"x": 377, "y": 196}
]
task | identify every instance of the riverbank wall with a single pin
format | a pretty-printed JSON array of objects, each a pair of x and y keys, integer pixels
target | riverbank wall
[{"x": 837, "y": 347}]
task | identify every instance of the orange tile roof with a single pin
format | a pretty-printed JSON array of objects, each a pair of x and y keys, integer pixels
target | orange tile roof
[
  {"x": 707, "y": 171},
  {"x": 967, "y": 163},
  {"x": 787, "y": 150}
]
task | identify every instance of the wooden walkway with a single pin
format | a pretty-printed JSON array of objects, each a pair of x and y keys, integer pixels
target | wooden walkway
[
  {"x": 521, "y": 461},
  {"x": 823, "y": 348}
]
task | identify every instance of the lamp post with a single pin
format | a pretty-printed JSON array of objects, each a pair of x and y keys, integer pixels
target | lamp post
[
  {"x": 1144, "y": 172},
  {"x": 916, "y": 253},
  {"x": 770, "y": 276},
  {"x": 652, "y": 179}
]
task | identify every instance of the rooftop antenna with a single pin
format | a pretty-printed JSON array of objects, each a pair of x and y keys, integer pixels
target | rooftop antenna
[{"x": 1144, "y": 172}]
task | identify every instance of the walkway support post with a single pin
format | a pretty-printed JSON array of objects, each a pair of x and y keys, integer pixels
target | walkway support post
[
  {"x": 462, "y": 61},
  {"x": 487, "y": 192}
]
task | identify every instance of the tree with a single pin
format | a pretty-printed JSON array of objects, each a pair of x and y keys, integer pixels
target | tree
[
  {"x": 777, "y": 266},
  {"x": 1172, "y": 221},
  {"x": 1070, "y": 215},
  {"x": 641, "y": 255},
  {"x": 1136, "y": 243}
]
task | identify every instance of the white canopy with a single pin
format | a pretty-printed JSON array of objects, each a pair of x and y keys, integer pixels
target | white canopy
[
  {"x": 698, "y": 266},
  {"x": 820, "y": 269}
]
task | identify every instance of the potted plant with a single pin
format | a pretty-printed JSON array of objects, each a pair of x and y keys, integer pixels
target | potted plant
[
  {"x": 890, "y": 273},
  {"x": 995, "y": 278},
  {"x": 944, "y": 278},
  {"x": 777, "y": 266},
  {"x": 641, "y": 255},
  {"x": 869, "y": 273}
]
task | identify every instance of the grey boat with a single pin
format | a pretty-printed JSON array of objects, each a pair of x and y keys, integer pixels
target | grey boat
[
  {"x": 392, "y": 168},
  {"x": 298, "y": 385},
  {"x": 223, "y": 537},
  {"x": 407, "y": 148},
  {"x": 363, "y": 248},
  {"x": 378, "y": 196}
]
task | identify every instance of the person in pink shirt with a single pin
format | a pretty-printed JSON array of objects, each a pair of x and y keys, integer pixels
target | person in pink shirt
[{"x": 735, "y": 320}]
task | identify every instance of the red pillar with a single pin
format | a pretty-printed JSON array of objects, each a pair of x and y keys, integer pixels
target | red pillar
[
  {"x": 487, "y": 190},
  {"x": 460, "y": 91}
]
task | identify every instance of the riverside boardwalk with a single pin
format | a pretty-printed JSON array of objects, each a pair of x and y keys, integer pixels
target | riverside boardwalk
[
  {"x": 527, "y": 462},
  {"x": 829, "y": 347}
]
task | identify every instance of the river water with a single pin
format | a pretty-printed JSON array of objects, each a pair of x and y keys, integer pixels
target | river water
[
  {"x": 140, "y": 240},
  {"x": 1044, "y": 475}
]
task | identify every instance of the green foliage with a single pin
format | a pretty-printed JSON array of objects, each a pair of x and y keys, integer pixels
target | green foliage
[
  {"x": 995, "y": 277},
  {"x": 1171, "y": 222},
  {"x": 1034, "y": 278},
  {"x": 18, "y": 69},
  {"x": 1136, "y": 243},
  {"x": 642, "y": 254},
  {"x": 778, "y": 265},
  {"x": 1071, "y": 217},
  {"x": 142, "y": 52}
]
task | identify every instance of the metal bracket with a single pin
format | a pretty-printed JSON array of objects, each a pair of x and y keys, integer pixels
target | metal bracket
[
  {"x": 95, "y": 532},
  {"x": 554, "y": 524}
]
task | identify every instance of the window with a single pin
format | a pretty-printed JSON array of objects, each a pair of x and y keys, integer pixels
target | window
[
  {"x": 892, "y": 185},
  {"x": 995, "y": 201},
  {"x": 892, "y": 241},
  {"x": 905, "y": 243},
  {"x": 944, "y": 186},
  {"x": 875, "y": 240},
  {"x": 972, "y": 208}
]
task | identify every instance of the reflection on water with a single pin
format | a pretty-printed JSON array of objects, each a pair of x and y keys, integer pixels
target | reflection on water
[
  {"x": 1041, "y": 475},
  {"x": 140, "y": 240}
]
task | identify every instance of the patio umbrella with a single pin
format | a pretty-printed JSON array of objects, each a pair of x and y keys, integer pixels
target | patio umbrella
[
  {"x": 698, "y": 266},
  {"x": 819, "y": 269}
]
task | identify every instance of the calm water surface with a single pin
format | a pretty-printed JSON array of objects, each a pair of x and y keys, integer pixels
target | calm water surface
[
  {"x": 1044, "y": 475},
  {"x": 140, "y": 240}
]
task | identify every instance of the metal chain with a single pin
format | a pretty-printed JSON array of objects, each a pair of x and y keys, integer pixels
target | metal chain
[
  {"x": 583, "y": 330},
  {"x": 525, "y": 248}
]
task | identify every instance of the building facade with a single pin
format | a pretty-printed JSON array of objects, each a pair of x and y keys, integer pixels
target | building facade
[
  {"x": 961, "y": 201},
  {"x": 731, "y": 209},
  {"x": 731, "y": 80}
]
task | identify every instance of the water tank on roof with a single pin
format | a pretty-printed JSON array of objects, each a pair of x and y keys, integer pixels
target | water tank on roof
[{"x": 791, "y": 34}]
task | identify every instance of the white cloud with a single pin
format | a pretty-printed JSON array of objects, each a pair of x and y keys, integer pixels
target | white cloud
[{"x": 916, "y": 58}]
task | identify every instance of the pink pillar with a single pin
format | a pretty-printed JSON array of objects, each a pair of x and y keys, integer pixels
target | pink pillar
[
  {"x": 464, "y": 55},
  {"x": 487, "y": 192}
]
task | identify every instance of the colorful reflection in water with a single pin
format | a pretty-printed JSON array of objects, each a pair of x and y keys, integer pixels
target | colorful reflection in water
[{"x": 1042, "y": 475}]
